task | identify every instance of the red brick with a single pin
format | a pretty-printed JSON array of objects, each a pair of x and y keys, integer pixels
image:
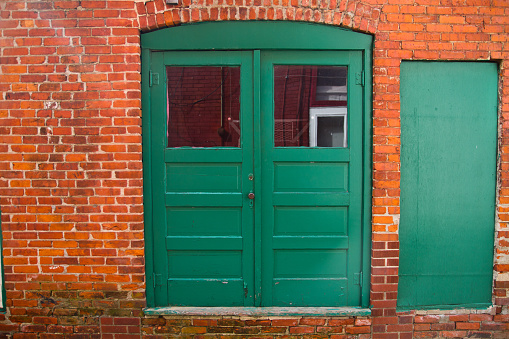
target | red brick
[
  {"x": 81, "y": 176},
  {"x": 312, "y": 321},
  {"x": 302, "y": 329}
]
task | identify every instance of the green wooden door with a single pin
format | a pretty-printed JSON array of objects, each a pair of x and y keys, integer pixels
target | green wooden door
[
  {"x": 204, "y": 249},
  {"x": 311, "y": 196},
  {"x": 448, "y": 183},
  {"x": 260, "y": 217}
]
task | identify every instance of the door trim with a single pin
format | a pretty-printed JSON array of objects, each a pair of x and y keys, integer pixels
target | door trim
[{"x": 256, "y": 35}]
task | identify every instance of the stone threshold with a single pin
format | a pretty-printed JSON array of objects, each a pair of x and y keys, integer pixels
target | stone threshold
[{"x": 260, "y": 311}]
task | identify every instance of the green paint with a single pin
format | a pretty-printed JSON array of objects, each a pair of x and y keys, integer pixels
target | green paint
[
  {"x": 311, "y": 178},
  {"x": 206, "y": 180},
  {"x": 210, "y": 247},
  {"x": 205, "y": 264},
  {"x": 320, "y": 177},
  {"x": 302, "y": 220},
  {"x": 216, "y": 177},
  {"x": 255, "y": 35},
  {"x": 206, "y": 221},
  {"x": 448, "y": 183}
]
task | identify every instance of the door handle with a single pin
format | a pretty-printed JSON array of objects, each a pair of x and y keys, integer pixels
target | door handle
[{"x": 251, "y": 199}]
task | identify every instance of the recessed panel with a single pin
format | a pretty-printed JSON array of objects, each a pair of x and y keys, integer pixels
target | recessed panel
[
  {"x": 205, "y": 264},
  {"x": 310, "y": 292},
  {"x": 310, "y": 177},
  {"x": 310, "y": 220},
  {"x": 206, "y": 292},
  {"x": 203, "y": 177},
  {"x": 309, "y": 263},
  {"x": 203, "y": 221}
]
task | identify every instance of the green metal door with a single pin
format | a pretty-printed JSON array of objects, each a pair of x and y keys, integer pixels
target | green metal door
[{"x": 267, "y": 211}]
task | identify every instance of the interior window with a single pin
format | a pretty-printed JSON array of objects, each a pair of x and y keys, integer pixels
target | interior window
[{"x": 310, "y": 106}]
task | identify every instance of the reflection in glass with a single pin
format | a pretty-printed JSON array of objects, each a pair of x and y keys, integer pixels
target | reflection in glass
[
  {"x": 203, "y": 106},
  {"x": 329, "y": 131},
  {"x": 298, "y": 90},
  {"x": 331, "y": 84}
]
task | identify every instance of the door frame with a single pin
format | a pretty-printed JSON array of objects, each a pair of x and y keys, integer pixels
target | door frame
[{"x": 256, "y": 35}]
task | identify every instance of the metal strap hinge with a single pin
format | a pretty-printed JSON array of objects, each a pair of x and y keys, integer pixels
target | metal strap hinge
[{"x": 153, "y": 79}]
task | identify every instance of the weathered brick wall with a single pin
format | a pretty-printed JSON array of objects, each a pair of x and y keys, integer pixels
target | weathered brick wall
[
  {"x": 70, "y": 164},
  {"x": 71, "y": 171},
  {"x": 335, "y": 328}
]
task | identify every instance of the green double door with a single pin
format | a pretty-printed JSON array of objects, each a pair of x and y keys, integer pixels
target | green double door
[{"x": 256, "y": 164}]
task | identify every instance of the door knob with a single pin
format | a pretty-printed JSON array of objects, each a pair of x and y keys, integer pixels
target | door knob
[{"x": 250, "y": 195}]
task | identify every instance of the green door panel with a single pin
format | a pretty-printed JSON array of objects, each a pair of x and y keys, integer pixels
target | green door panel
[
  {"x": 448, "y": 183},
  {"x": 324, "y": 291},
  {"x": 316, "y": 277},
  {"x": 302, "y": 220},
  {"x": 206, "y": 292},
  {"x": 320, "y": 177},
  {"x": 205, "y": 221},
  {"x": 196, "y": 177},
  {"x": 205, "y": 264}
]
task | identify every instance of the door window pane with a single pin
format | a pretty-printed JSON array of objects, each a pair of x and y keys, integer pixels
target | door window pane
[
  {"x": 331, "y": 85},
  {"x": 298, "y": 91},
  {"x": 203, "y": 106},
  {"x": 330, "y": 131}
]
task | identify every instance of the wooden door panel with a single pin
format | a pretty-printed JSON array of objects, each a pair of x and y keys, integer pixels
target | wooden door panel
[
  {"x": 310, "y": 176},
  {"x": 310, "y": 220},
  {"x": 209, "y": 177}
]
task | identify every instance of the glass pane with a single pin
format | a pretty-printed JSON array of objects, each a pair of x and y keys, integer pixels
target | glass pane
[
  {"x": 203, "y": 106},
  {"x": 330, "y": 132},
  {"x": 331, "y": 84},
  {"x": 300, "y": 89}
]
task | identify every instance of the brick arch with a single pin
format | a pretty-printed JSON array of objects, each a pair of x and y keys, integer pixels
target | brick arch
[{"x": 357, "y": 15}]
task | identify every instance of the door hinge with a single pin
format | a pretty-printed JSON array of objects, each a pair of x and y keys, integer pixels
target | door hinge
[
  {"x": 360, "y": 78},
  {"x": 357, "y": 279},
  {"x": 158, "y": 280},
  {"x": 153, "y": 79}
]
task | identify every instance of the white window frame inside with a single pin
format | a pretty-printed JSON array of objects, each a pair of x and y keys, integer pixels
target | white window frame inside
[{"x": 317, "y": 112}]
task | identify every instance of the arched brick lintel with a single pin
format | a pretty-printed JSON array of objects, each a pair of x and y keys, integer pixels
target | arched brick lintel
[{"x": 356, "y": 15}]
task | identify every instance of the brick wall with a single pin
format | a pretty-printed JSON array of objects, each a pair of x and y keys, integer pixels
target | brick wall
[{"x": 71, "y": 170}]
